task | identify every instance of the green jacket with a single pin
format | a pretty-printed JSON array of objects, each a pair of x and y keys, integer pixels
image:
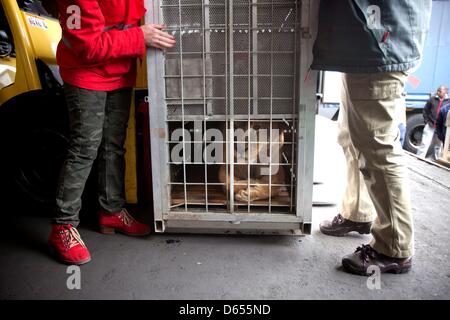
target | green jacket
[{"x": 363, "y": 36}]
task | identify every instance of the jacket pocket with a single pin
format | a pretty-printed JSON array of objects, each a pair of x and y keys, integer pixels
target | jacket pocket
[{"x": 116, "y": 68}]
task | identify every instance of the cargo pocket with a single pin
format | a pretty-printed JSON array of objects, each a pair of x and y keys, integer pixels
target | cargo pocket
[{"x": 376, "y": 99}]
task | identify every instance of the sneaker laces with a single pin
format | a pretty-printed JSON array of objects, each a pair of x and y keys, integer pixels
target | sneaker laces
[
  {"x": 366, "y": 252},
  {"x": 72, "y": 238},
  {"x": 126, "y": 217}
]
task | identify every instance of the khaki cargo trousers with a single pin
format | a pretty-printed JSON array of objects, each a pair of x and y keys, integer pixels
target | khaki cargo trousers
[{"x": 377, "y": 187}]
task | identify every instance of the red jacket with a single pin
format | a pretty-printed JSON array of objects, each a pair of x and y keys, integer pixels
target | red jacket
[{"x": 101, "y": 54}]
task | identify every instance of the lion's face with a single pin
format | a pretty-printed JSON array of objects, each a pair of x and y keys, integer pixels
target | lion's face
[{"x": 252, "y": 144}]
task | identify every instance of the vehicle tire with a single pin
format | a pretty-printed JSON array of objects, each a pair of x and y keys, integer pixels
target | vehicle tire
[
  {"x": 414, "y": 129},
  {"x": 34, "y": 137}
]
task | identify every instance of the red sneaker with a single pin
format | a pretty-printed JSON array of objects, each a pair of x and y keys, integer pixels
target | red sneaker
[
  {"x": 66, "y": 243},
  {"x": 122, "y": 222}
]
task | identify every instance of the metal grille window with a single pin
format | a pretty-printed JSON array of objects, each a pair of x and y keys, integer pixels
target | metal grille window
[{"x": 228, "y": 118}]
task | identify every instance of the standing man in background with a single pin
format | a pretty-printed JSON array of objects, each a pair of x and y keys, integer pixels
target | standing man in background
[
  {"x": 430, "y": 114},
  {"x": 101, "y": 41},
  {"x": 442, "y": 122},
  {"x": 375, "y": 43}
]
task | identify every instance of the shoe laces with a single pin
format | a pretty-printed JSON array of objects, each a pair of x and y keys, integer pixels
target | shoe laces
[
  {"x": 126, "y": 218},
  {"x": 366, "y": 252},
  {"x": 71, "y": 238},
  {"x": 338, "y": 219}
]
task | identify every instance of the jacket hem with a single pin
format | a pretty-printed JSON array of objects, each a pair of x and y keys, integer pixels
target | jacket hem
[{"x": 398, "y": 67}]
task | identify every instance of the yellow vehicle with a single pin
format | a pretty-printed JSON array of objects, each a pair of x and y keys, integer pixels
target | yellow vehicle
[{"x": 33, "y": 120}]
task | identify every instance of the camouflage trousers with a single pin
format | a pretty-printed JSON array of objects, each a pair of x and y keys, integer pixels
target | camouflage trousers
[{"x": 98, "y": 122}]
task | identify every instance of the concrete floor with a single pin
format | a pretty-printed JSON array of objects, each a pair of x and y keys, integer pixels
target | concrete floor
[{"x": 174, "y": 266}]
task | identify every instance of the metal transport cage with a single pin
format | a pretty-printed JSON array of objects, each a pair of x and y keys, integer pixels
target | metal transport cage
[{"x": 232, "y": 110}]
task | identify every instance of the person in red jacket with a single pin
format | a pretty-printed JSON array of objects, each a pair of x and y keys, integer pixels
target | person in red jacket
[{"x": 97, "y": 55}]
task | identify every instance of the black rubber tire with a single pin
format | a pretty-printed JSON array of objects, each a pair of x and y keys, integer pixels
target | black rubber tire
[
  {"x": 33, "y": 137},
  {"x": 413, "y": 135}
]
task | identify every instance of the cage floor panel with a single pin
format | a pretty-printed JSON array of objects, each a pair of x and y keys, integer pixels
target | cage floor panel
[{"x": 216, "y": 197}]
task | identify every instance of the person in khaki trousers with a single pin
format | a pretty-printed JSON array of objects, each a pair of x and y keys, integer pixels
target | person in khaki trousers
[
  {"x": 370, "y": 43},
  {"x": 357, "y": 211}
]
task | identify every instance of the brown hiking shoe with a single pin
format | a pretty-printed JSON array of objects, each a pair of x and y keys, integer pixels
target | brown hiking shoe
[
  {"x": 340, "y": 226},
  {"x": 365, "y": 256}
]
